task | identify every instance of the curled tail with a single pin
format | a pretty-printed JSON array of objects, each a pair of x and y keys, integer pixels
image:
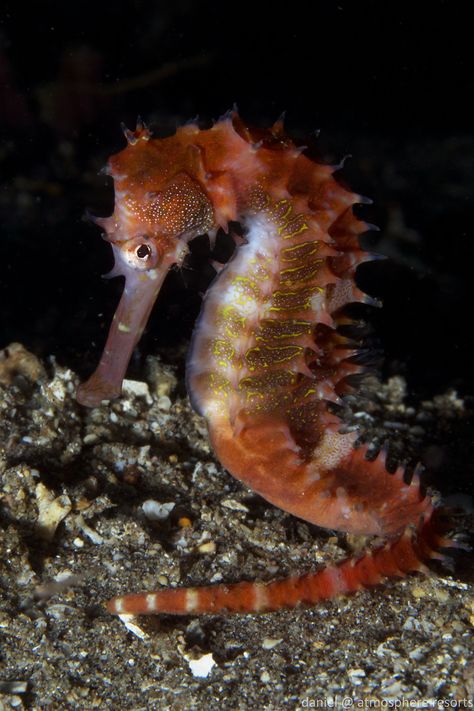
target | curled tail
[{"x": 397, "y": 558}]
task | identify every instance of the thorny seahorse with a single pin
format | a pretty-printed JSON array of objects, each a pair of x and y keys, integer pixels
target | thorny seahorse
[{"x": 267, "y": 352}]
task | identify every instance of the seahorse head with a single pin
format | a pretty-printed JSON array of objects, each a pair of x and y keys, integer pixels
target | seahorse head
[
  {"x": 160, "y": 200},
  {"x": 160, "y": 204}
]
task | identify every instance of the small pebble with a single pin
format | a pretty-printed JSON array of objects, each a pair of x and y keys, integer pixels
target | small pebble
[
  {"x": 137, "y": 388},
  {"x": 164, "y": 403},
  {"x": 207, "y": 547},
  {"x": 156, "y": 511},
  {"x": 270, "y": 643},
  {"x": 185, "y": 522},
  {"x": 356, "y": 675},
  {"x": 13, "y": 687}
]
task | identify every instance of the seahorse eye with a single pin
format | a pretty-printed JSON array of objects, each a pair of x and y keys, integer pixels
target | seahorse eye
[
  {"x": 140, "y": 253},
  {"x": 143, "y": 251}
]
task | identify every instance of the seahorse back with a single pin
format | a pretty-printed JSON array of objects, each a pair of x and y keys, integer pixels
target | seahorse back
[
  {"x": 267, "y": 356},
  {"x": 265, "y": 331}
]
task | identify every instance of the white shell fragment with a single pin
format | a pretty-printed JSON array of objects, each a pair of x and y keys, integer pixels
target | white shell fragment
[
  {"x": 51, "y": 511},
  {"x": 234, "y": 505},
  {"x": 130, "y": 624},
  {"x": 202, "y": 666},
  {"x": 137, "y": 388},
  {"x": 156, "y": 511}
]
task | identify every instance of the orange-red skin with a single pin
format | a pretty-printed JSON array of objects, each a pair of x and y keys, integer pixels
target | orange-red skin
[{"x": 270, "y": 319}]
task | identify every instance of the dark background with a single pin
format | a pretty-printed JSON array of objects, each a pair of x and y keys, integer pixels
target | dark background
[{"x": 389, "y": 87}]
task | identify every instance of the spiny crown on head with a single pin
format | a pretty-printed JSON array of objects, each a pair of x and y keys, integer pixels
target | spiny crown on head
[
  {"x": 169, "y": 190},
  {"x": 159, "y": 197}
]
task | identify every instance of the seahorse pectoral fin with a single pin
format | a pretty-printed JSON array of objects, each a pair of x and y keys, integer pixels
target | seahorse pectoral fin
[{"x": 139, "y": 295}]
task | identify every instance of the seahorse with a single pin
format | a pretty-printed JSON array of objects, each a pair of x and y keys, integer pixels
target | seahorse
[{"x": 267, "y": 353}]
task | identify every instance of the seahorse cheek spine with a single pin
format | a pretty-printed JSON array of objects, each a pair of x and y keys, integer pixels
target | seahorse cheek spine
[{"x": 266, "y": 353}]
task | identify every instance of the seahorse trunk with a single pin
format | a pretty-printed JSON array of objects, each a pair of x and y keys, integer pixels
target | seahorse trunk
[
  {"x": 266, "y": 358},
  {"x": 338, "y": 488}
]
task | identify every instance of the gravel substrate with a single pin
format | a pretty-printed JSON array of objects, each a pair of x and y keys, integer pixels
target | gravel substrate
[{"x": 128, "y": 496}]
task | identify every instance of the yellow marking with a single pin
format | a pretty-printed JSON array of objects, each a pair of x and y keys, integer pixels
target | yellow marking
[
  {"x": 280, "y": 348},
  {"x": 273, "y": 329},
  {"x": 223, "y": 349},
  {"x": 296, "y": 225},
  {"x": 302, "y": 299},
  {"x": 123, "y": 328},
  {"x": 255, "y": 395},
  {"x": 233, "y": 334},
  {"x": 228, "y": 311},
  {"x": 269, "y": 380},
  {"x": 218, "y": 384},
  {"x": 266, "y": 356},
  {"x": 242, "y": 281},
  {"x": 246, "y": 291},
  {"x": 302, "y": 247},
  {"x": 299, "y": 231},
  {"x": 301, "y": 273},
  {"x": 232, "y": 320},
  {"x": 298, "y": 292},
  {"x": 291, "y": 270},
  {"x": 277, "y": 207},
  {"x": 238, "y": 279}
]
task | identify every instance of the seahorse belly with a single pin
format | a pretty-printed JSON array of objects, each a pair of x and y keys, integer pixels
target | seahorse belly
[{"x": 226, "y": 330}]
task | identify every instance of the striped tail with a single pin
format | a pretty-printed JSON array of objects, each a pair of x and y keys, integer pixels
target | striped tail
[{"x": 396, "y": 559}]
